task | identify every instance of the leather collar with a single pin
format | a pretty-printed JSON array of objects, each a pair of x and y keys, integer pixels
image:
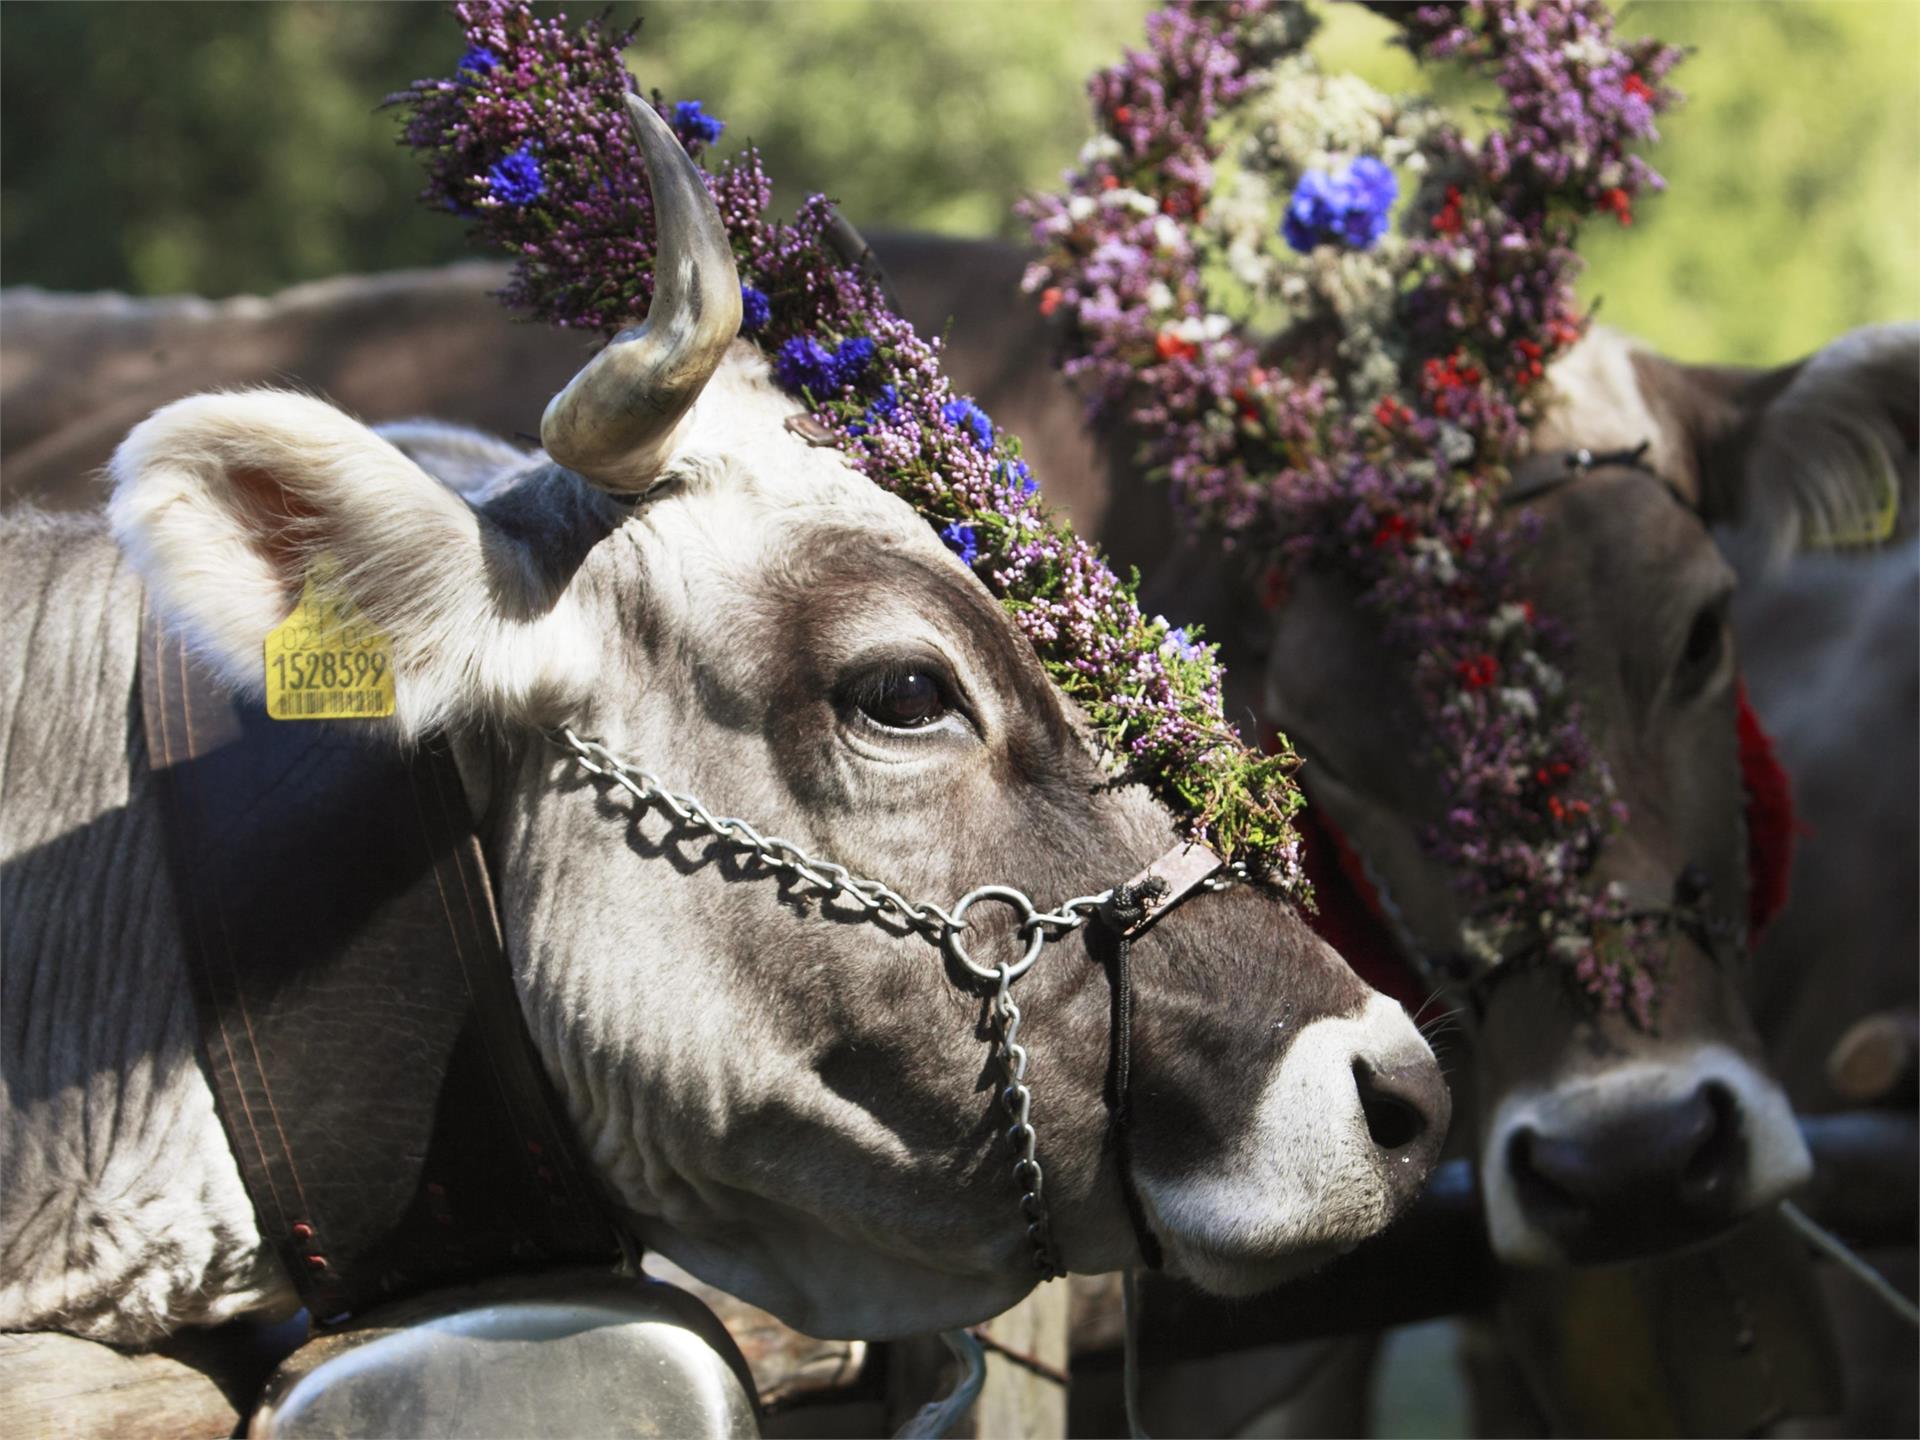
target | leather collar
[{"x": 358, "y": 1020}]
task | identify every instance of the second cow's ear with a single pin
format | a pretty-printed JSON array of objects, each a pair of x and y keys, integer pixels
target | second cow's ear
[
  {"x": 1815, "y": 454},
  {"x": 226, "y": 504}
]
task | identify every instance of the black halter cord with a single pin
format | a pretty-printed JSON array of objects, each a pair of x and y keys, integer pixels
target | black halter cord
[{"x": 1123, "y": 916}]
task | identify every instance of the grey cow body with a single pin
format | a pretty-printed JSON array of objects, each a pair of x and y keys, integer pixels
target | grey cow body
[{"x": 123, "y": 1213}]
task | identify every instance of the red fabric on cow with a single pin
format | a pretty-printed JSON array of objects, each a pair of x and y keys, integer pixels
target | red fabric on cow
[
  {"x": 1770, "y": 821},
  {"x": 1347, "y": 911}
]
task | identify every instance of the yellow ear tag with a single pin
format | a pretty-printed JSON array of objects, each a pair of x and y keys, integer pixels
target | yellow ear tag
[{"x": 324, "y": 661}]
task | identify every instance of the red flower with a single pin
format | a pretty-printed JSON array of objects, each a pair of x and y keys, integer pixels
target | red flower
[
  {"x": 1050, "y": 300},
  {"x": 1171, "y": 347},
  {"x": 1528, "y": 365},
  {"x": 1638, "y": 88},
  {"x": 1124, "y": 113},
  {"x": 1477, "y": 672},
  {"x": 1618, "y": 201},
  {"x": 1390, "y": 412},
  {"x": 1446, "y": 220},
  {"x": 1109, "y": 182},
  {"x": 1390, "y": 529}
]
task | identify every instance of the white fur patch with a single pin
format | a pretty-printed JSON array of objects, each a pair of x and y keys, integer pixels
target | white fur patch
[
  {"x": 1597, "y": 403},
  {"x": 1308, "y": 1180}
]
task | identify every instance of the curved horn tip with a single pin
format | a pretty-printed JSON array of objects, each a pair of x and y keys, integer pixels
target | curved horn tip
[{"x": 614, "y": 424}]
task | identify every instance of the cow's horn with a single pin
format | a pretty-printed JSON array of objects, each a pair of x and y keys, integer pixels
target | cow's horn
[{"x": 614, "y": 424}]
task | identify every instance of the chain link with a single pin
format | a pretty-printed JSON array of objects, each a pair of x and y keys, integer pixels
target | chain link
[{"x": 1018, "y": 1099}]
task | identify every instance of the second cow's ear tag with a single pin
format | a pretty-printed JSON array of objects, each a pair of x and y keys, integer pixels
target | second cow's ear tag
[{"x": 325, "y": 661}]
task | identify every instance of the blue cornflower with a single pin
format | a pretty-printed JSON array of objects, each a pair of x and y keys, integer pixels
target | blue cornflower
[
  {"x": 961, "y": 540},
  {"x": 693, "y": 123},
  {"x": 1014, "y": 474},
  {"x": 517, "y": 179},
  {"x": 963, "y": 414},
  {"x": 851, "y": 358},
  {"x": 805, "y": 364},
  {"x": 1184, "y": 645},
  {"x": 755, "y": 309},
  {"x": 882, "y": 408},
  {"x": 1349, "y": 207},
  {"x": 477, "y": 61}
]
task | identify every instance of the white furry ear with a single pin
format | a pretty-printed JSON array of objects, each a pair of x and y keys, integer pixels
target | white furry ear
[{"x": 223, "y": 502}]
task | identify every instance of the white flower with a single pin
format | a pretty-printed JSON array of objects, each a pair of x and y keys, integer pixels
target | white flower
[
  {"x": 1159, "y": 297},
  {"x": 1587, "y": 50},
  {"x": 1455, "y": 444},
  {"x": 1166, "y": 234},
  {"x": 1506, "y": 620},
  {"x": 1100, "y": 147},
  {"x": 1080, "y": 207},
  {"x": 1462, "y": 260},
  {"x": 1520, "y": 702},
  {"x": 1431, "y": 557},
  {"x": 1127, "y": 198}
]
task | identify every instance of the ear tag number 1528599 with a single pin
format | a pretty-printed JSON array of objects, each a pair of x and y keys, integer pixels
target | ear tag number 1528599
[{"x": 325, "y": 661}]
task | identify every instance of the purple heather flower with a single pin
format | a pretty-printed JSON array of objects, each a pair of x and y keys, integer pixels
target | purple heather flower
[
  {"x": 693, "y": 124},
  {"x": 517, "y": 178},
  {"x": 803, "y": 363},
  {"x": 755, "y": 310},
  {"x": 963, "y": 414},
  {"x": 477, "y": 61},
  {"x": 1349, "y": 207},
  {"x": 962, "y": 541}
]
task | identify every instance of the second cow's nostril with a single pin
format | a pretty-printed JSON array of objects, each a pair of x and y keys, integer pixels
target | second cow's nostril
[
  {"x": 1709, "y": 1171},
  {"x": 1393, "y": 1119}
]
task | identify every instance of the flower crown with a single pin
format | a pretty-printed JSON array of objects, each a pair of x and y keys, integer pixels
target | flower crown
[
  {"x": 529, "y": 141},
  {"x": 1317, "y": 386}
]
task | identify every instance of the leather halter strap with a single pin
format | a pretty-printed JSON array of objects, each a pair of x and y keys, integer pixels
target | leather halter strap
[{"x": 358, "y": 1020}]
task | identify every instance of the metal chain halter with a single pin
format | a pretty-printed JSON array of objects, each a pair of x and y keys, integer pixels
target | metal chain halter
[{"x": 881, "y": 903}]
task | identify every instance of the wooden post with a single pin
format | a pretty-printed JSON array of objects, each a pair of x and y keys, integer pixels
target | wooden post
[{"x": 1018, "y": 1401}]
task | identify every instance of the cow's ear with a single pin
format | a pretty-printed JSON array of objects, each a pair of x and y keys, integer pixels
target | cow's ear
[
  {"x": 226, "y": 504},
  {"x": 1821, "y": 453}
]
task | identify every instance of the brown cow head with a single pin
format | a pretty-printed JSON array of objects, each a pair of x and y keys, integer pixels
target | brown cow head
[{"x": 1599, "y": 1139}]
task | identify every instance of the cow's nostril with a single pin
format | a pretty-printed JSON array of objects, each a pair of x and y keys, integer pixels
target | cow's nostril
[
  {"x": 1709, "y": 1172},
  {"x": 1393, "y": 1118}
]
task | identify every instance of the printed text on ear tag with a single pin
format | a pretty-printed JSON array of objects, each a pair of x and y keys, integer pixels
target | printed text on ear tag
[{"x": 324, "y": 661}]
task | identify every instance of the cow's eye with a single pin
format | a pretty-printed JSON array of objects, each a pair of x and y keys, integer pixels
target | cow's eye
[
  {"x": 1706, "y": 637},
  {"x": 901, "y": 697}
]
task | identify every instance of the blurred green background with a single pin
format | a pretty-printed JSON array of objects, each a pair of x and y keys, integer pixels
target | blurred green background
[{"x": 220, "y": 148}]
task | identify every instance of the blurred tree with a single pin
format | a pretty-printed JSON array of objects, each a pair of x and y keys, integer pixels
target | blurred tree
[
  {"x": 221, "y": 148},
  {"x": 209, "y": 147}
]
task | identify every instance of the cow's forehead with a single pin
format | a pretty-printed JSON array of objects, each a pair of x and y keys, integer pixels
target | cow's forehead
[
  {"x": 1597, "y": 402},
  {"x": 736, "y": 439}
]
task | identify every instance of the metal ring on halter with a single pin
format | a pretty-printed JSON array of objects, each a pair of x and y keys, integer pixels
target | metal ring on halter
[{"x": 1036, "y": 937}]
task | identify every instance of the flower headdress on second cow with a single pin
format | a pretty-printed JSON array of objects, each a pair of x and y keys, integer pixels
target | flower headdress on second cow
[
  {"x": 1317, "y": 384},
  {"x": 529, "y": 140}
]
